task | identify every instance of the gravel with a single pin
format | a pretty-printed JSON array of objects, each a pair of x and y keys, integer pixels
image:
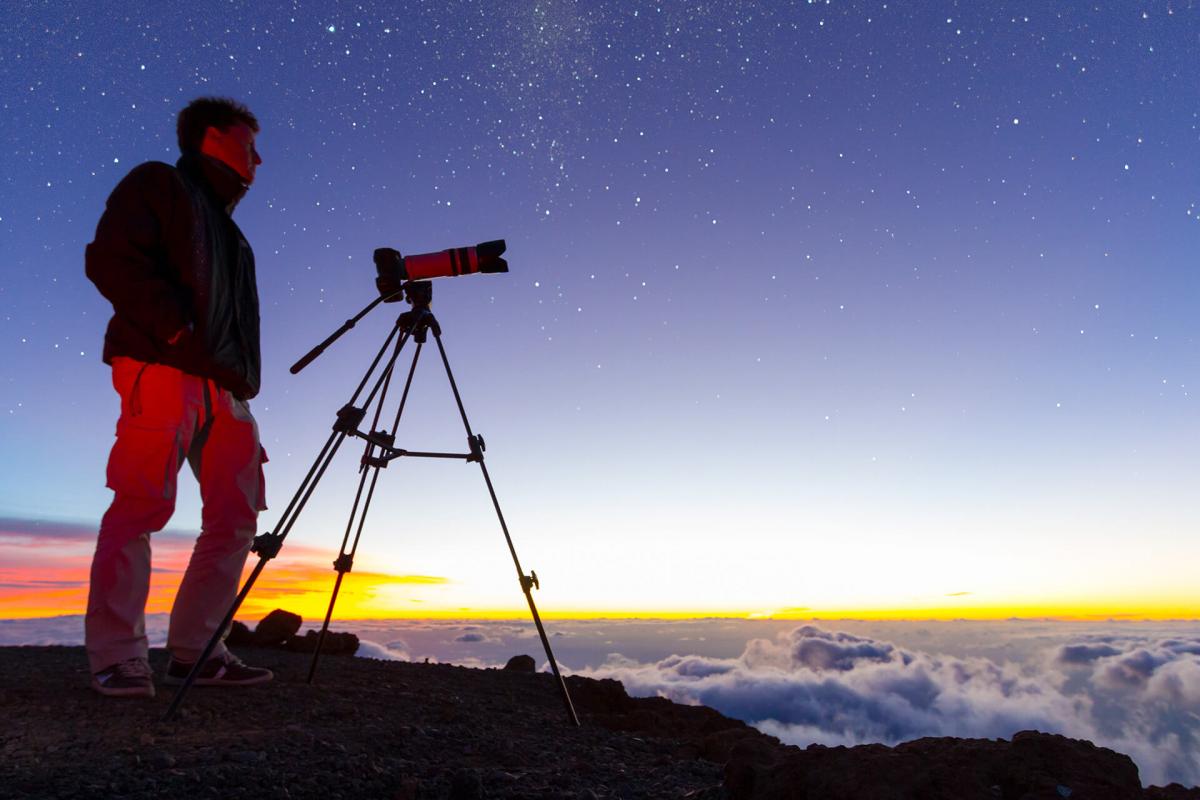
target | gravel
[{"x": 364, "y": 729}]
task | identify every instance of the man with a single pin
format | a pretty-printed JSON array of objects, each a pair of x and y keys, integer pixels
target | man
[{"x": 183, "y": 344}]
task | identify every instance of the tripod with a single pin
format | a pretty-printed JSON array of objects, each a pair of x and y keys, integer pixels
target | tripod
[{"x": 379, "y": 451}]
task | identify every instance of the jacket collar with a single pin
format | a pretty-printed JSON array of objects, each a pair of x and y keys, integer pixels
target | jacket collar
[{"x": 225, "y": 185}]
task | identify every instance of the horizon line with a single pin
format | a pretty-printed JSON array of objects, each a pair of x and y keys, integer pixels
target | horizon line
[{"x": 513, "y": 615}]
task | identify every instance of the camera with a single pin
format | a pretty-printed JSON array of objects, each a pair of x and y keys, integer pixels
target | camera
[{"x": 393, "y": 270}]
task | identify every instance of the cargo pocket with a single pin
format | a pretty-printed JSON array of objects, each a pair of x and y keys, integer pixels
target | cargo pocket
[
  {"x": 261, "y": 502},
  {"x": 144, "y": 461}
]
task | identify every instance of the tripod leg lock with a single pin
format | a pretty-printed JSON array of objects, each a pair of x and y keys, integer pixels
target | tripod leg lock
[
  {"x": 348, "y": 419},
  {"x": 477, "y": 446},
  {"x": 267, "y": 545},
  {"x": 344, "y": 562},
  {"x": 386, "y": 442},
  {"x": 530, "y": 581}
]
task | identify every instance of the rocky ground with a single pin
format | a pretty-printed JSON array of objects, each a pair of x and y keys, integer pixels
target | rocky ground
[{"x": 400, "y": 731}]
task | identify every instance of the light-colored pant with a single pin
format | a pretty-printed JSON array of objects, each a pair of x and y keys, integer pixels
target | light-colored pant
[{"x": 167, "y": 416}]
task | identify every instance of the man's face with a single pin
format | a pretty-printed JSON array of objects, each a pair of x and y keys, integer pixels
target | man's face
[{"x": 234, "y": 147}]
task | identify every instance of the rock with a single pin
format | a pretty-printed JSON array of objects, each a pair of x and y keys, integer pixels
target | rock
[
  {"x": 1079, "y": 767},
  {"x": 340, "y": 644},
  {"x": 1173, "y": 791},
  {"x": 521, "y": 663},
  {"x": 336, "y": 644},
  {"x": 239, "y": 635},
  {"x": 302, "y": 644},
  {"x": 604, "y": 696},
  {"x": 1032, "y": 765},
  {"x": 747, "y": 742},
  {"x": 276, "y": 627}
]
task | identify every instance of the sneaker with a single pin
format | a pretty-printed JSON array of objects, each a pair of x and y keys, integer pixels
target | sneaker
[
  {"x": 129, "y": 678},
  {"x": 224, "y": 670}
]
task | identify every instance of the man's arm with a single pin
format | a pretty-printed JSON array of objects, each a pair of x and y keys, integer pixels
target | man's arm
[{"x": 128, "y": 258}]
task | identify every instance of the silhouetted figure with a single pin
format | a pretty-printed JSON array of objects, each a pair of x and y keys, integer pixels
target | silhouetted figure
[{"x": 183, "y": 344}]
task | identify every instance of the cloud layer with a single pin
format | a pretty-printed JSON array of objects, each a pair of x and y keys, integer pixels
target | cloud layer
[
  {"x": 1135, "y": 695},
  {"x": 1134, "y": 687}
]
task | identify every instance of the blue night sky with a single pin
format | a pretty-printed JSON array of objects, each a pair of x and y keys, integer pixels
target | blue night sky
[{"x": 866, "y": 306}]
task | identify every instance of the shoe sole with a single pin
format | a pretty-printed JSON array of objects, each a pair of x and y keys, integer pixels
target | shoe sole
[
  {"x": 129, "y": 691},
  {"x": 171, "y": 680}
]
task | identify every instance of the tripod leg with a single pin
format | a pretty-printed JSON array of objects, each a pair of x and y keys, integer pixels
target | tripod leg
[
  {"x": 527, "y": 582},
  {"x": 562, "y": 684},
  {"x": 345, "y": 560},
  {"x": 343, "y": 564},
  {"x": 337, "y": 585},
  {"x": 270, "y": 549},
  {"x": 268, "y": 544},
  {"x": 216, "y": 637}
]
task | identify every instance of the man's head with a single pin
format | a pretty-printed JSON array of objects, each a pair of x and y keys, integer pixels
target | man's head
[{"x": 223, "y": 129}]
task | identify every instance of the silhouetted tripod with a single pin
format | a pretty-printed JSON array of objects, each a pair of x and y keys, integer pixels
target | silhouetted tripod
[{"x": 380, "y": 450}]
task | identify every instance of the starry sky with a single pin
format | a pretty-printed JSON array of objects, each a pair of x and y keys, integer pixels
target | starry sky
[{"x": 886, "y": 309}]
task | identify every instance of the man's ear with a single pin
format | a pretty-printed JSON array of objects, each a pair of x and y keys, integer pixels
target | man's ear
[{"x": 211, "y": 141}]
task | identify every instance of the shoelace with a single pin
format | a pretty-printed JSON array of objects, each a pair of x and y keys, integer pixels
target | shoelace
[{"x": 134, "y": 668}]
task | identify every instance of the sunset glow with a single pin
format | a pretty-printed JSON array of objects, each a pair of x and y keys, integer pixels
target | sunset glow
[{"x": 302, "y": 580}]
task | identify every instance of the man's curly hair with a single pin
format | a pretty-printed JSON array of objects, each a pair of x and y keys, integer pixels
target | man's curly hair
[{"x": 210, "y": 112}]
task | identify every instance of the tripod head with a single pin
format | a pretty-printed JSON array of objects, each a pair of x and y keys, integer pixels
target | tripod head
[
  {"x": 418, "y": 319},
  {"x": 419, "y": 294}
]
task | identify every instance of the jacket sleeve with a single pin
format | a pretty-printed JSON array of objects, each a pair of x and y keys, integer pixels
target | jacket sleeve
[{"x": 128, "y": 260}]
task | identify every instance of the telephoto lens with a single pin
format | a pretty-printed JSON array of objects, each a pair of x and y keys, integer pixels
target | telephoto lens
[{"x": 393, "y": 269}]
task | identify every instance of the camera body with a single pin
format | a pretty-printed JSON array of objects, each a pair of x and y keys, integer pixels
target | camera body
[{"x": 393, "y": 270}]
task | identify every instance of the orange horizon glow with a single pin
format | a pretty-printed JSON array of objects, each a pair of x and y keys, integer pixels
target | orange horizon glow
[
  {"x": 48, "y": 577},
  {"x": 305, "y": 589}
]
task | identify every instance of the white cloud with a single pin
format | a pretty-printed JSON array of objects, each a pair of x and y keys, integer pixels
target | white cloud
[
  {"x": 67, "y": 630},
  {"x": 392, "y": 651},
  {"x": 830, "y": 687}
]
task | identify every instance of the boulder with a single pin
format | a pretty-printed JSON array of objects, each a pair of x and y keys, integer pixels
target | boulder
[
  {"x": 521, "y": 664},
  {"x": 239, "y": 635},
  {"x": 336, "y": 644},
  {"x": 276, "y": 628},
  {"x": 1032, "y": 765},
  {"x": 1173, "y": 791},
  {"x": 598, "y": 696}
]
